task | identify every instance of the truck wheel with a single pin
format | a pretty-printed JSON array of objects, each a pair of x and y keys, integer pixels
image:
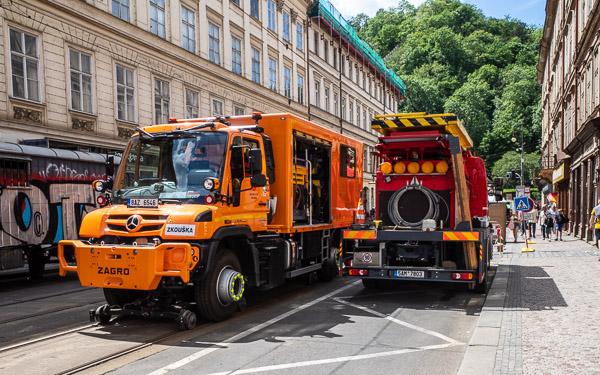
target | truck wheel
[
  {"x": 330, "y": 269},
  {"x": 482, "y": 287},
  {"x": 121, "y": 297},
  {"x": 35, "y": 259},
  {"x": 218, "y": 295}
]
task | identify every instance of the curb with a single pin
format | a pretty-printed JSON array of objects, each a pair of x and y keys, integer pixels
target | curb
[{"x": 480, "y": 356}]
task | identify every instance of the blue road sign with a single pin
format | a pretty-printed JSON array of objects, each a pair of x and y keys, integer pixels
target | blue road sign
[{"x": 522, "y": 204}]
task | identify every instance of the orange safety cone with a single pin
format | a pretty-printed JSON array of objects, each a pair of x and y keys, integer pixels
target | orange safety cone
[{"x": 360, "y": 213}]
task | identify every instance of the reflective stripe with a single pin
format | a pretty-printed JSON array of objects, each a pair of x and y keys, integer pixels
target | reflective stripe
[
  {"x": 360, "y": 235},
  {"x": 461, "y": 236}
]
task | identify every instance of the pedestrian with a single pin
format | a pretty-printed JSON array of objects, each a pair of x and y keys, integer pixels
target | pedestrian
[
  {"x": 549, "y": 224},
  {"x": 553, "y": 213},
  {"x": 532, "y": 221},
  {"x": 561, "y": 220},
  {"x": 595, "y": 221},
  {"x": 542, "y": 220},
  {"x": 514, "y": 223}
]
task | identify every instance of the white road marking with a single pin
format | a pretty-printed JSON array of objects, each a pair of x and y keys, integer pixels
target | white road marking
[
  {"x": 239, "y": 336},
  {"x": 333, "y": 360},
  {"x": 400, "y": 322}
]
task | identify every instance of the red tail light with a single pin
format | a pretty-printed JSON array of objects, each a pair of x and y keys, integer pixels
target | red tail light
[
  {"x": 462, "y": 276},
  {"x": 358, "y": 272}
]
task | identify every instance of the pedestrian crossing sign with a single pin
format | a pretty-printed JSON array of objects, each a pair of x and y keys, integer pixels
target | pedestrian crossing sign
[{"x": 522, "y": 204}]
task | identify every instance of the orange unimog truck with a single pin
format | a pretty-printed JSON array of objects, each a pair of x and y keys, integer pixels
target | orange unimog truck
[{"x": 201, "y": 209}]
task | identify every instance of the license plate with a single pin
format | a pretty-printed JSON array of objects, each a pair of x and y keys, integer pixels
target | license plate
[
  {"x": 409, "y": 273},
  {"x": 142, "y": 202}
]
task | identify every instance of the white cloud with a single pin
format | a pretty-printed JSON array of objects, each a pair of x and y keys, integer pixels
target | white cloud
[{"x": 350, "y": 8}]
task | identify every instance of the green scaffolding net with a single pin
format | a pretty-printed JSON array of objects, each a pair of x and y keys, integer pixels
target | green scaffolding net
[{"x": 326, "y": 10}]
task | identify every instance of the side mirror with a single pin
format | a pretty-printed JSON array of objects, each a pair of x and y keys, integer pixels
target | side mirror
[
  {"x": 258, "y": 180},
  {"x": 110, "y": 166},
  {"x": 255, "y": 160}
]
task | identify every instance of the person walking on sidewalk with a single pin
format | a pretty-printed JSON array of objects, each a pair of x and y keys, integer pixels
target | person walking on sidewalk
[
  {"x": 595, "y": 221},
  {"x": 542, "y": 221},
  {"x": 514, "y": 223},
  {"x": 532, "y": 221},
  {"x": 553, "y": 213},
  {"x": 561, "y": 220},
  {"x": 549, "y": 224}
]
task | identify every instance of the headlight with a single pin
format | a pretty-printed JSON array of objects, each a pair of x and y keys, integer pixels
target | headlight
[{"x": 211, "y": 184}]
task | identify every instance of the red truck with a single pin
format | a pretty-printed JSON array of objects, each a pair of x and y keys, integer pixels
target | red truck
[{"x": 431, "y": 218}]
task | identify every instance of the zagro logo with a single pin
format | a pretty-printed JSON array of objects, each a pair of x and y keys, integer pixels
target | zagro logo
[
  {"x": 113, "y": 271},
  {"x": 133, "y": 222}
]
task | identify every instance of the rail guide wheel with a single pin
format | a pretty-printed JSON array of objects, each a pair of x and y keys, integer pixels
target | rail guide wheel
[{"x": 187, "y": 319}]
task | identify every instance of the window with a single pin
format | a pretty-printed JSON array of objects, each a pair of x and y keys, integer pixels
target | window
[
  {"x": 191, "y": 104},
  {"x": 273, "y": 75},
  {"x": 326, "y": 51},
  {"x": 357, "y": 73},
  {"x": 157, "y": 17},
  {"x": 287, "y": 82},
  {"x": 317, "y": 95},
  {"x": 217, "y": 107},
  {"x": 161, "y": 101},
  {"x": 238, "y": 111},
  {"x": 299, "y": 36},
  {"x": 236, "y": 55},
  {"x": 351, "y": 112},
  {"x": 366, "y": 125},
  {"x": 254, "y": 8},
  {"x": 125, "y": 94},
  {"x": 214, "y": 44},
  {"x": 80, "y": 66},
  {"x": 256, "y": 65},
  {"x": 335, "y": 53},
  {"x": 343, "y": 108},
  {"x": 300, "y": 89},
  {"x": 350, "y": 70},
  {"x": 14, "y": 172},
  {"x": 316, "y": 43},
  {"x": 24, "y": 63},
  {"x": 286, "y": 27},
  {"x": 335, "y": 103},
  {"x": 271, "y": 15},
  {"x": 236, "y": 2},
  {"x": 358, "y": 115},
  {"x": 327, "y": 99},
  {"x": 347, "y": 161},
  {"x": 120, "y": 8},
  {"x": 188, "y": 29},
  {"x": 342, "y": 65}
]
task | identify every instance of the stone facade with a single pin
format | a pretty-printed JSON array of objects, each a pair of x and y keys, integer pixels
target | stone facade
[{"x": 568, "y": 71}]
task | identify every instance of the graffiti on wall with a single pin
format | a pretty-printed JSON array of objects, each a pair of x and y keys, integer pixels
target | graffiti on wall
[{"x": 51, "y": 206}]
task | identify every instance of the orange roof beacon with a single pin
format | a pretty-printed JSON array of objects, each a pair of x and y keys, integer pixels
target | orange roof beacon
[{"x": 202, "y": 209}]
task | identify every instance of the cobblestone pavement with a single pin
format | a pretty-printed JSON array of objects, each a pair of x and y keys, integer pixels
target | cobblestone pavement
[{"x": 550, "y": 319}]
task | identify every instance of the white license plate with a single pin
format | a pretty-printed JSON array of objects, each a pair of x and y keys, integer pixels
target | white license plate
[
  {"x": 409, "y": 273},
  {"x": 142, "y": 202}
]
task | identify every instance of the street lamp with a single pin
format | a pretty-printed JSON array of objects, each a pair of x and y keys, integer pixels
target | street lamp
[{"x": 514, "y": 139}]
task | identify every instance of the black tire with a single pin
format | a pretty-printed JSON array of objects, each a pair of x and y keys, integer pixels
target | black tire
[
  {"x": 121, "y": 297},
  {"x": 482, "y": 287},
  {"x": 330, "y": 269},
  {"x": 103, "y": 314},
  {"x": 370, "y": 283},
  {"x": 35, "y": 259},
  {"x": 208, "y": 304}
]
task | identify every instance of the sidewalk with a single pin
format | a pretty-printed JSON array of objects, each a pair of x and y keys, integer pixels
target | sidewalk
[{"x": 541, "y": 314}]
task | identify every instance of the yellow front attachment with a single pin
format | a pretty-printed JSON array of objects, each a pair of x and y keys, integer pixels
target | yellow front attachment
[{"x": 128, "y": 267}]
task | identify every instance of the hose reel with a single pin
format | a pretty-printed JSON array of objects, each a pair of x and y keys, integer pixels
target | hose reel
[{"x": 412, "y": 204}]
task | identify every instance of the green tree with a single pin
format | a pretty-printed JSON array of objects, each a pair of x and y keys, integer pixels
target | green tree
[{"x": 511, "y": 161}]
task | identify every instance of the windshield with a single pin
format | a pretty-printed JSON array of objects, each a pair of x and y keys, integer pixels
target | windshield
[{"x": 171, "y": 168}]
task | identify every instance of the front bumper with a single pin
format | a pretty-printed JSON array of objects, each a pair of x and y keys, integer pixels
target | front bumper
[{"x": 128, "y": 267}]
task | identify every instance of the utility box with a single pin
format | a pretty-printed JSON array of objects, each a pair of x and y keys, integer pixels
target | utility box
[{"x": 497, "y": 213}]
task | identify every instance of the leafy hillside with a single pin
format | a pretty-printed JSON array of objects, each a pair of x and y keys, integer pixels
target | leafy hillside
[{"x": 454, "y": 59}]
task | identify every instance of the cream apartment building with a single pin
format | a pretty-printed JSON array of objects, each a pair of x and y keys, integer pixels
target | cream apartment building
[
  {"x": 84, "y": 74},
  {"x": 568, "y": 71}
]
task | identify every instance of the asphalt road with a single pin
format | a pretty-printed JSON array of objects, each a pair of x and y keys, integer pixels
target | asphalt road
[{"x": 327, "y": 328}]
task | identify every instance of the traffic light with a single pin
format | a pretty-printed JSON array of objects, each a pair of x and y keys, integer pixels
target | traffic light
[
  {"x": 513, "y": 174},
  {"x": 508, "y": 174},
  {"x": 498, "y": 182}
]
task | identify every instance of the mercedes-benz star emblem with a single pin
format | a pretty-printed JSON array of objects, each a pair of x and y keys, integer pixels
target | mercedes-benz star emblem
[{"x": 133, "y": 222}]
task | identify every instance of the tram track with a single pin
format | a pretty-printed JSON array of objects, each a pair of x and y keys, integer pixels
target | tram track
[{"x": 49, "y": 312}]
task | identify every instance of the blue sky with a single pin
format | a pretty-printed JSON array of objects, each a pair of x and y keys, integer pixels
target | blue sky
[{"x": 528, "y": 11}]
